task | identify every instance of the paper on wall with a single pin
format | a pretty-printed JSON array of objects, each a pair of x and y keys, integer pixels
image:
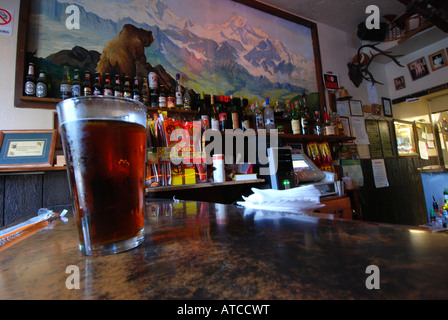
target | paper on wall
[
  {"x": 379, "y": 173},
  {"x": 359, "y": 130}
]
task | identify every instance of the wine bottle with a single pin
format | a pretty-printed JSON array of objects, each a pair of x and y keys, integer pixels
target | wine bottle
[{"x": 268, "y": 113}]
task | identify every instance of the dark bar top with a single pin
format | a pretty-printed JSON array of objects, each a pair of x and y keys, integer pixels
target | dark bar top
[{"x": 196, "y": 250}]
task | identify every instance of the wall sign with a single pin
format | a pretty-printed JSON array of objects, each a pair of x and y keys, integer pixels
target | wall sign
[{"x": 6, "y": 21}]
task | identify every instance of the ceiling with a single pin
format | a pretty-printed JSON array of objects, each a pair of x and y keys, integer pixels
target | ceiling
[{"x": 342, "y": 14}]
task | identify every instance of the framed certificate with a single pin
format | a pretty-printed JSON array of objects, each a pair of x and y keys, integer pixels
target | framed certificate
[
  {"x": 25, "y": 148},
  {"x": 356, "y": 108}
]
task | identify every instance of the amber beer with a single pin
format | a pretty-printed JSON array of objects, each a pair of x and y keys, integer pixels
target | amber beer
[{"x": 104, "y": 141}]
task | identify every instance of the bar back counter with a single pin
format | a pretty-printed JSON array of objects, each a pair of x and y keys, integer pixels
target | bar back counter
[{"x": 199, "y": 250}]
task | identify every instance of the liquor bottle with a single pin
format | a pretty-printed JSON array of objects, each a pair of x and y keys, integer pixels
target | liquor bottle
[
  {"x": 328, "y": 126},
  {"x": 179, "y": 95},
  {"x": 234, "y": 114},
  {"x": 97, "y": 87},
  {"x": 258, "y": 117},
  {"x": 318, "y": 126},
  {"x": 153, "y": 95},
  {"x": 222, "y": 115},
  {"x": 268, "y": 113},
  {"x": 118, "y": 91},
  {"x": 41, "y": 86},
  {"x": 305, "y": 119},
  {"x": 136, "y": 96},
  {"x": 66, "y": 86},
  {"x": 171, "y": 100},
  {"x": 76, "y": 86},
  {"x": 108, "y": 85},
  {"x": 187, "y": 100},
  {"x": 205, "y": 117},
  {"x": 295, "y": 119},
  {"x": 127, "y": 93},
  {"x": 214, "y": 114},
  {"x": 162, "y": 97},
  {"x": 145, "y": 93},
  {"x": 87, "y": 85},
  {"x": 30, "y": 81},
  {"x": 245, "y": 123}
]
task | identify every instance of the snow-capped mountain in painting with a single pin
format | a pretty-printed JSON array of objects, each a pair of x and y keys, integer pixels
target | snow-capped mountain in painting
[{"x": 232, "y": 57}]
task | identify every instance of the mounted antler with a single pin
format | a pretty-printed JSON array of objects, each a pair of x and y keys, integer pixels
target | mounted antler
[{"x": 358, "y": 71}]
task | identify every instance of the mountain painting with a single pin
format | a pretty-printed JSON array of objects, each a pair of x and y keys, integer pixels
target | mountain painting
[{"x": 218, "y": 46}]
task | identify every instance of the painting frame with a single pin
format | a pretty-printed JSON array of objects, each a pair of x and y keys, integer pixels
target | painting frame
[
  {"x": 399, "y": 83},
  {"x": 20, "y": 101},
  {"x": 27, "y": 148},
  {"x": 376, "y": 109},
  {"x": 406, "y": 139},
  {"x": 356, "y": 108},
  {"x": 387, "y": 107},
  {"x": 437, "y": 60},
  {"x": 418, "y": 68}
]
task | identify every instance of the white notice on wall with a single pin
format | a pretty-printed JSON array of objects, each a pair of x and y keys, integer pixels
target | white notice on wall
[
  {"x": 359, "y": 130},
  {"x": 6, "y": 21},
  {"x": 379, "y": 173},
  {"x": 372, "y": 93}
]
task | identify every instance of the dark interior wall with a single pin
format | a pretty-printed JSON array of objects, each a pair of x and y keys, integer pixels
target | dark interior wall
[{"x": 403, "y": 202}]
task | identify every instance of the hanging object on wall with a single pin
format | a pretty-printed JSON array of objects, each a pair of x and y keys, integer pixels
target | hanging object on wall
[{"x": 358, "y": 68}]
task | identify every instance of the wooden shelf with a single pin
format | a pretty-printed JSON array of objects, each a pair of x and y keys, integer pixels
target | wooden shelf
[
  {"x": 31, "y": 168},
  {"x": 202, "y": 185},
  {"x": 50, "y": 103}
]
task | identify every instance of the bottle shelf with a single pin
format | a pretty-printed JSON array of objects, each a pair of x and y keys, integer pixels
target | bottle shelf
[{"x": 50, "y": 103}]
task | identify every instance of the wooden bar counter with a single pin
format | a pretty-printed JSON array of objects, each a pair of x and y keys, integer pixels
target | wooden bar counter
[{"x": 198, "y": 250}]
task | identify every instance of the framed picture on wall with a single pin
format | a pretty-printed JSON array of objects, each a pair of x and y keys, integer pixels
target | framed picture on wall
[
  {"x": 399, "y": 83},
  {"x": 376, "y": 109},
  {"x": 387, "y": 107},
  {"x": 437, "y": 60},
  {"x": 406, "y": 138},
  {"x": 356, "y": 108},
  {"x": 418, "y": 68},
  {"x": 25, "y": 148}
]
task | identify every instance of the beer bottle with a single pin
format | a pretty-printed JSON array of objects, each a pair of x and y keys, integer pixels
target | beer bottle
[
  {"x": 214, "y": 114},
  {"x": 118, "y": 92},
  {"x": 127, "y": 93},
  {"x": 244, "y": 118},
  {"x": 234, "y": 114},
  {"x": 41, "y": 86},
  {"x": 162, "y": 97},
  {"x": 76, "y": 86},
  {"x": 136, "y": 91},
  {"x": 268, "y": 113},
  {"x": 30, "y": 81},
  {"x": 295, "y": 121},
  {"x": 179, "y": 101},
  {"x": 87, "y": 84},
  {"x": 305, "y": 121},
  {"x": 66, "y": 86},
  {"x": 107, "y": 85},
  {"x": 187, "y": 100},
  {"x": 154, "y": 97},
  {"x": 203, "y": 111},
  {"x": 145, "y": 92},
  {"x": 170, "y": 100},
  {"x": 97, "y": 87},
  {"x": 222, "y": 115},
  {"x": 258, "y": 117},
  {"x": 318, "y": 127}
]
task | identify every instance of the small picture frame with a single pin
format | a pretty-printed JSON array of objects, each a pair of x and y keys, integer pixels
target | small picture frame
[
  {"x": 346, "y": 125},
  {"x": 437, "y": 60},
  {"x": 399, "y": 83},
  {"x": 376, "y": 109},
  {"x": 27, "y": 148},
  {"x": 406, "y": 139},
  {"x": 356, "y": 108},
  {"x": 387, "y": 107},
  {"x": 418, "y": 68}
]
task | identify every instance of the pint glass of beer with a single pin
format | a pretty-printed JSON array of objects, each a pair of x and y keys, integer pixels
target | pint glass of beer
[{"x": 104, "y": 141}]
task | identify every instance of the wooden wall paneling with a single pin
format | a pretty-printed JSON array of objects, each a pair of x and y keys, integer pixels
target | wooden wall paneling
[
  {"x": 56, "y": 191},
  {"x": 22, "y": 196},
  {"x": 403, "y": 202}
]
